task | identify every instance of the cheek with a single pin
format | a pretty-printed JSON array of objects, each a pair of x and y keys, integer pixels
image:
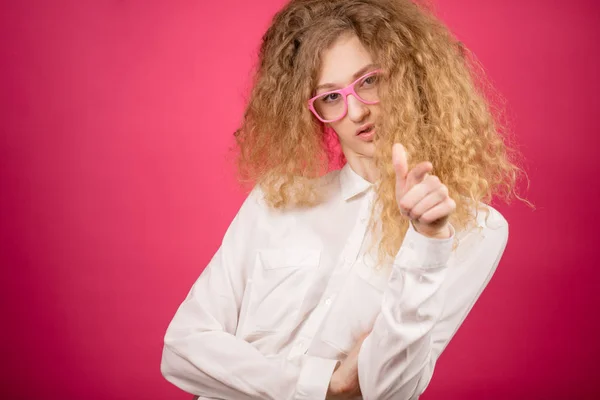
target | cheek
[
  {"x": 343, "y": 130},
  {"x": 375, "y": 111}
]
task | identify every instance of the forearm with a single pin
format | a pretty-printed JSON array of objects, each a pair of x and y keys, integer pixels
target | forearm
[
  {"x": 219, "y": 365},
  {"x": 396, "y": 355},
  {"x": 213, "y": 364}
]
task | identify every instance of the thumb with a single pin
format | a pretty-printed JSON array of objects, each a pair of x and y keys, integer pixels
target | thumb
[{"x": 400, "y": 162}]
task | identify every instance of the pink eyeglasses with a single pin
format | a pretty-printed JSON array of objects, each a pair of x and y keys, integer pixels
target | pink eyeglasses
[{"x": 333, "y": 106}]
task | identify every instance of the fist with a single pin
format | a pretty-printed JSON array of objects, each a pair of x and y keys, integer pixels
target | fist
[
  {"x": 422, "y": 197},
  {"x": 344, "y": 382}
]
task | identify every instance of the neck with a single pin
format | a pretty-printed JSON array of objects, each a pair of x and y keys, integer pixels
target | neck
[{"x": 363, "y": 166}]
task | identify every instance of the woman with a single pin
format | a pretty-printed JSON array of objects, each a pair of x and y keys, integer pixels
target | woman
[{"x": 350, "y": 283}]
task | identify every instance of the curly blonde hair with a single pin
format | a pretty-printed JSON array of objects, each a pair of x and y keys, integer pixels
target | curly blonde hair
[{"x": 433, "y": 101}]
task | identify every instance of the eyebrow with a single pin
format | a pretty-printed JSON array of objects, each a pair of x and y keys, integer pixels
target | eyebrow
[{"x": 355, "y": 76}]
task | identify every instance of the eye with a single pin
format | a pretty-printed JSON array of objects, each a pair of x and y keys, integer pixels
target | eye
[
  {"x": 331, "y": 97},
  {"x": 370, "y": 80}
]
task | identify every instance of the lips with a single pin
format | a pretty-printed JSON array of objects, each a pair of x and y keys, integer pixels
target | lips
[{"x": 365, "y": 129}]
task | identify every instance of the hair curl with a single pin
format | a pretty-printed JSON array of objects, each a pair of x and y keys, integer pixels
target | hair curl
[{"x": 433, "y": 101}]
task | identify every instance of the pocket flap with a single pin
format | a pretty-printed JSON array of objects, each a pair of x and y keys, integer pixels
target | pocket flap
[{"x": 289, "y": 258}]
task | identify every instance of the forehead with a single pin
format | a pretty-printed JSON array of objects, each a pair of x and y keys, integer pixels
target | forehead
[{"x": 339, "y": 62}]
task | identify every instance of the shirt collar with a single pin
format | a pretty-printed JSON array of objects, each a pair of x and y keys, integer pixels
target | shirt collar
[{"x": 351, "y": 183}]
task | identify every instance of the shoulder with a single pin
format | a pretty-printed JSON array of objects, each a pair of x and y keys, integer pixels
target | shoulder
[
  {"x": 300, "y": 194},
  {"x": 490, "y": 218},
  {"x": 251, "y": 208},
  {"x": 484, "y": 218}
]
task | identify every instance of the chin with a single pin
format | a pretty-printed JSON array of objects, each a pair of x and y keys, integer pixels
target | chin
[
  {"x": 358, "y": 148},
  {"x": 366, "y": 150}
]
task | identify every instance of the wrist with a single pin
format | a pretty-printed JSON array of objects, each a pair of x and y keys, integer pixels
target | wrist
[{"x": 443, "y": 233}]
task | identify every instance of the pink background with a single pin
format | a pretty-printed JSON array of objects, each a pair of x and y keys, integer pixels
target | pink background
[{"x": 116, "y": 188}]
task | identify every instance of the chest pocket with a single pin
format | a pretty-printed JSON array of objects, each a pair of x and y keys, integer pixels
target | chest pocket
[{"x": 279, "y": 282}]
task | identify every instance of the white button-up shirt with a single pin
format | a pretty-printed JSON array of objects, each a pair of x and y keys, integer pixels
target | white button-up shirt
[{"x": 290, "y": 292}]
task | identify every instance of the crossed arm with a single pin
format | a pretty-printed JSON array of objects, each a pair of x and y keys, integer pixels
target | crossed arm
[{"x": 421, "y": 310}]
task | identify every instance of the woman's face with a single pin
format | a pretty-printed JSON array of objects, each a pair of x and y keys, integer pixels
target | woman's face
[{"x": 342, "y": 64}]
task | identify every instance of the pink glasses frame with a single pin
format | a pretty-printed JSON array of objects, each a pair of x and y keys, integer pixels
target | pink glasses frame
[{"x": 344, "y": 92}]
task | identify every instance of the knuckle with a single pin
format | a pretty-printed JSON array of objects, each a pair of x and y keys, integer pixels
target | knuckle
[
  {"x": 434, "y": 179},
  {"x": 445, "y": 190}
]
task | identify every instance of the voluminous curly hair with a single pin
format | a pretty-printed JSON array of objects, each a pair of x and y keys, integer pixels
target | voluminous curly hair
[{"x": 433, "y": 101}]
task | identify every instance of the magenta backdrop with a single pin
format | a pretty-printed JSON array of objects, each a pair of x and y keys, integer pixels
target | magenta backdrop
[{"x": 116, "y": 188}]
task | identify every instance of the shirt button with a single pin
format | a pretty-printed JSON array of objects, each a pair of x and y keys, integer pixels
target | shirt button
[
  {"x": 328, "y": 301},
  {"x": 421, "y": 278},
  {"x": 411, "y": 245}
]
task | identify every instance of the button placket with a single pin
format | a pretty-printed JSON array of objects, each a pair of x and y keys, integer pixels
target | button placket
[
  {"x": 349, "y": 254},
  {"x": 352, "y": 248}
]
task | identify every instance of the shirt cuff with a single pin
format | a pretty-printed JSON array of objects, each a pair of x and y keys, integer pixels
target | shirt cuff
[
  {"x": 420, "y": 251},
  {"x": 314, "y": 378}
]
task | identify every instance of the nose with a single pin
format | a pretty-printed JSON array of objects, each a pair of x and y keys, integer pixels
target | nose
[{"x": 357, "y": 110}]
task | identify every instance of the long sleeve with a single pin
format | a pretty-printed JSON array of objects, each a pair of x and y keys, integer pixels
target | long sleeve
[
  {"x": 430, "y": 291},
  {"x": 201, "y": 353}
]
